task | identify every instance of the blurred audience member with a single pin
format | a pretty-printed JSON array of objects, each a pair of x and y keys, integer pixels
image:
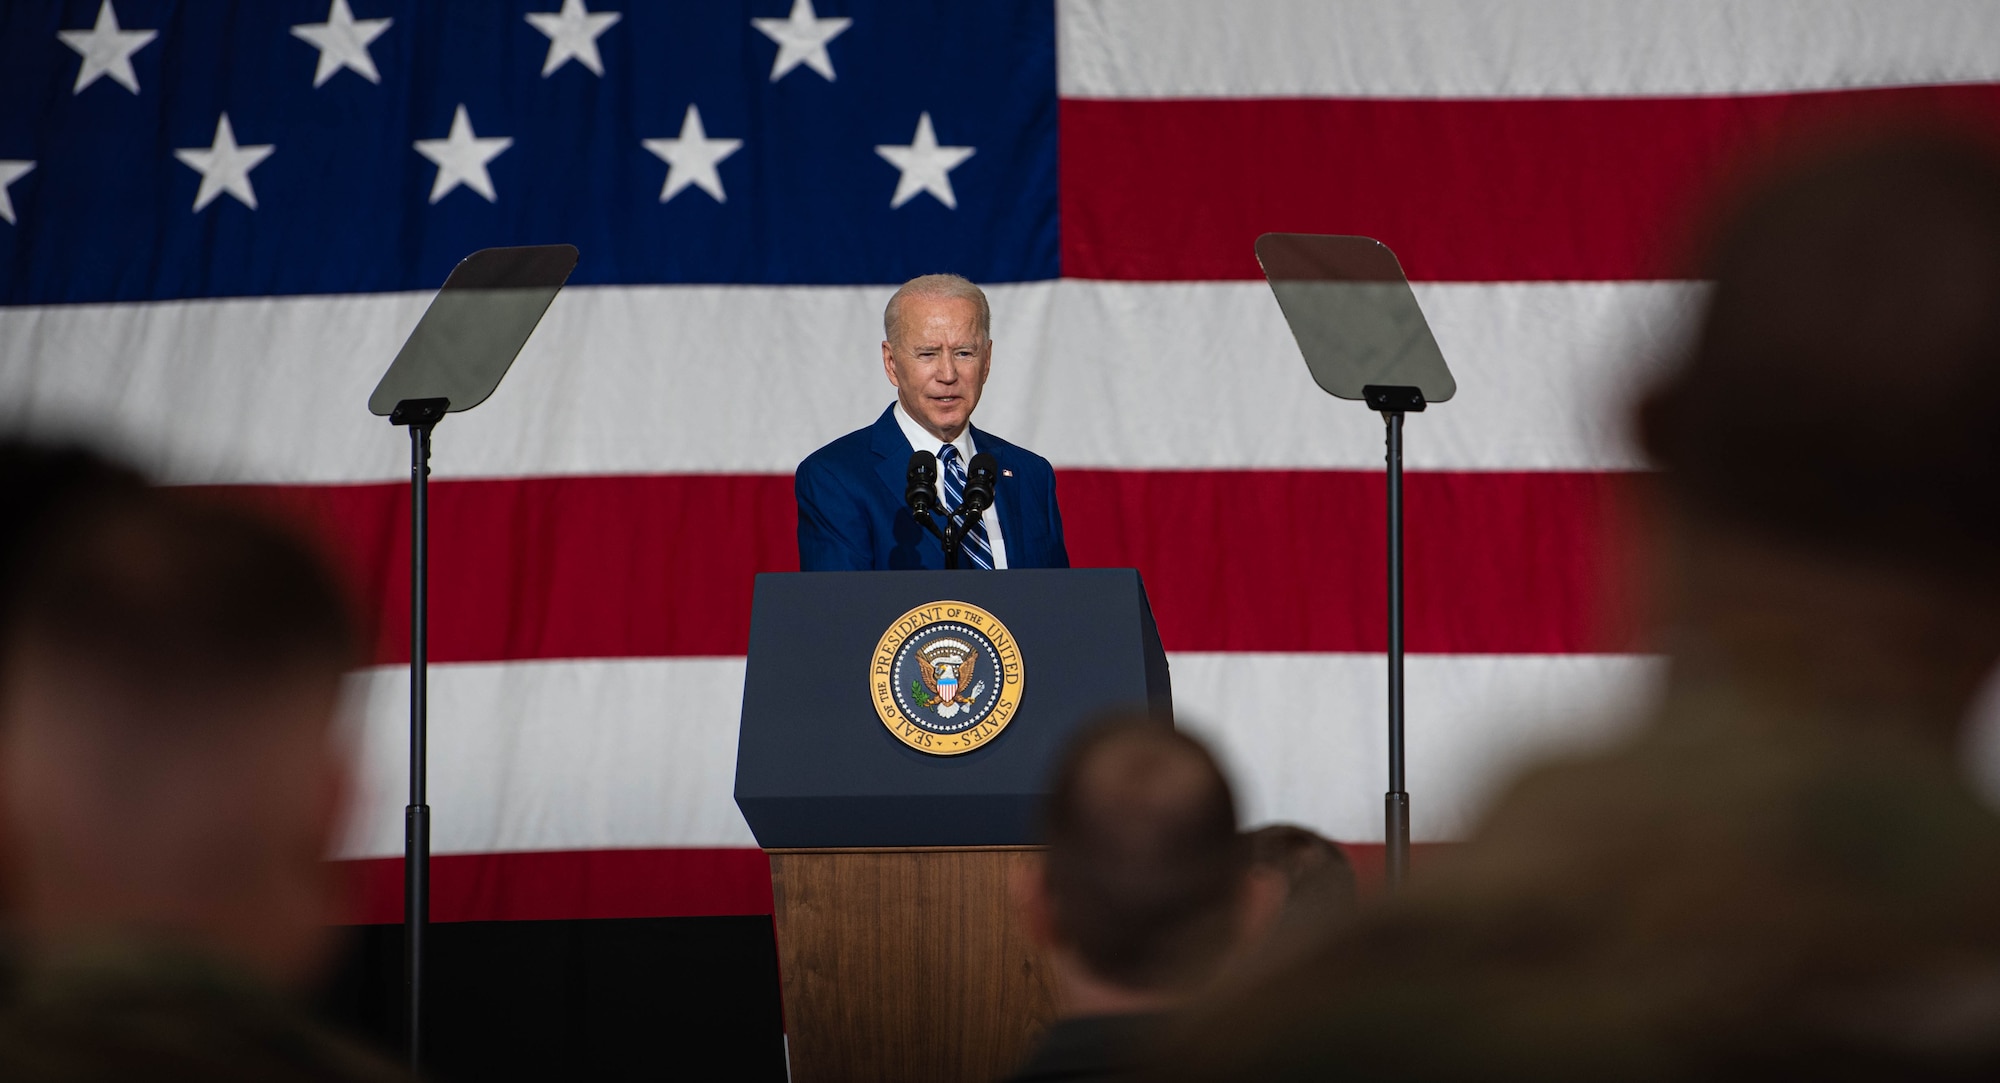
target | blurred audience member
[
  {"x": 1785, "y": 875},
  {"x": 1316, "y": 878},
  {"x": 1304, "y": 893},
  {"x": 169, "y": 791},
  {"x": 1141, "y": 894},
  {"x": 37, "y": 482}
]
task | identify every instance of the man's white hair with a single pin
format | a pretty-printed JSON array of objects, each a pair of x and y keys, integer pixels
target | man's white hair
[{"x": 937, "y": 287}]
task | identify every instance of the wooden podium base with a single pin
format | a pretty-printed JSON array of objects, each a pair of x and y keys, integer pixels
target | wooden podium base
[{"x": 906, "y": 964}]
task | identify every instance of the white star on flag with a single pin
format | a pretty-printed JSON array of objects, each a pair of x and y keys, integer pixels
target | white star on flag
[
  {"x": 9, "y": 173},
  {"x": 461, "y": 158},
  {"x": 107, "y": 50},
  {"x": 342, "y": 41},
  {"x": 802, "y": 39},
  {"x": 691, "y": 158},
  {"x": 926, "y": 166},
  {"x": 572, "y": 33},
  {"x": 224, "y": 166}
]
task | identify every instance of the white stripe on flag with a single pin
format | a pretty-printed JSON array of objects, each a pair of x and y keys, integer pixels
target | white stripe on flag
[
  {"x": 1516, "y": 48},
  {"x": 572, "y": 755},
  {"x": 1305, "y": 736},
  {"x": 663, "y": 379},
  {"x": 580, "y": 755}
]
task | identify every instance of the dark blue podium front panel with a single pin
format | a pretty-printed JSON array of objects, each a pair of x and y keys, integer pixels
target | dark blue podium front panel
[{"x": 816, "y": 766}]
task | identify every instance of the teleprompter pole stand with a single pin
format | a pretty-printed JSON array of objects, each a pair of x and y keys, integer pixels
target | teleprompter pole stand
[
  {"x": 1392, "y": 403},
  {"x": 453, "y": 360},
  {"x": 421, "y": 416},
  {"x": 1363, "y": 336}
]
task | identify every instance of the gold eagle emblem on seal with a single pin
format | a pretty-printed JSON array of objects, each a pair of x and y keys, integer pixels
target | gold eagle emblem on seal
[{"x": 946, "y": 678}]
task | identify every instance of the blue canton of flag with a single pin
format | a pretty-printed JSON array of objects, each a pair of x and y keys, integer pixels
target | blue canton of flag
[{"x": 153, "y": 150}]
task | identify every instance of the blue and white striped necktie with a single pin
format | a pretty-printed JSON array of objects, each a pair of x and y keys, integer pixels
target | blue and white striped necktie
[{"x": 975, "y": 546}]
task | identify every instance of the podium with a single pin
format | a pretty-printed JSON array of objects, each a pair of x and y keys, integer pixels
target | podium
[{"x": 898, "y": 733}]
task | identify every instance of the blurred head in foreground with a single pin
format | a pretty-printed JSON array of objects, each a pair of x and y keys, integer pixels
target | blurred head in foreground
[
  {"x": 1141, "y": 893},
  {"x": 1144, "y": 869},
  {"x": 168, "y": 678},
  {"x": 1317, "y": 879},
  {"x": 38, "y": 483},
  {"x": 1784, "y": 874},
  {"x": 1308, "y": 894},
  {"x": 1830, "y": 452}
]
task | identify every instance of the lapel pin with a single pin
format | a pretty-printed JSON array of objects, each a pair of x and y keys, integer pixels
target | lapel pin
[{"x": 1006, "y": 473}]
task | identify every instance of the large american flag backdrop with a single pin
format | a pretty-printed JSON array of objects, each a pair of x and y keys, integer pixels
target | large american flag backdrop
[{"x": 219, "y": 221}]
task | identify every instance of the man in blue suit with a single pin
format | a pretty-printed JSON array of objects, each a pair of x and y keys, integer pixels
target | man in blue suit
[{"x": 938, "y": 352}]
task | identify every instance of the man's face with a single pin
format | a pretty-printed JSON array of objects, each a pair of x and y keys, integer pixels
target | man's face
[{"x": 938, "y": 362}]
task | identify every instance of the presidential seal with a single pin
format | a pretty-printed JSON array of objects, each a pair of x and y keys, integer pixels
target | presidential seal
[{"x": 946, "y": 678}]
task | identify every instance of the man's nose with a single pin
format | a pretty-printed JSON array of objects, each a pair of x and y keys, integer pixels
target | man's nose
[{"x": 947, "y": 373}]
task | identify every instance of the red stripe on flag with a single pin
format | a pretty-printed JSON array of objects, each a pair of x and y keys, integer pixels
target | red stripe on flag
[
  {"x": 571, "y": 567},
  {"x": 1499, "y": 563},
  {"x": 558, "y": 886},
  {"x": 560, "y": 567},
  {"x": 573, "y": 884},
  {"x": 1463, "y": 190}
]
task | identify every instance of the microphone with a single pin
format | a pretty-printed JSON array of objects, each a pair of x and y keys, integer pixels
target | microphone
[
  {"x": 920, "y": 488},
  {"x": 980, "y": 476}
]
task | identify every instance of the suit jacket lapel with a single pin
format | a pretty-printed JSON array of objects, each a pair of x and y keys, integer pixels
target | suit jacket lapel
[
  {"x": 1006, "y": 492},
  {"x": 893, "y": 451},
  {"x": 892, "y": 465}
]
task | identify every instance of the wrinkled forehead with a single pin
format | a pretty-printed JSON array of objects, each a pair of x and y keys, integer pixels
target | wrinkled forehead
[{"x": 938, "y": 321}]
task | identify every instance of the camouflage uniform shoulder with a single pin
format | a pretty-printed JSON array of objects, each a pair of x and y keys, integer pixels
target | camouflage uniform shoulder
[{"x": 140, "y": 1012}]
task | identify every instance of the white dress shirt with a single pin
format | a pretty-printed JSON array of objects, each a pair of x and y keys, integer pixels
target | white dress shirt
[{"x": 921, "y": 440}]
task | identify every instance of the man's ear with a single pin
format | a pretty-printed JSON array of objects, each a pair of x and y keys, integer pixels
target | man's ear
[
  {"x": 889, "y": 364},
  {"x": 1028, "y": 886}
]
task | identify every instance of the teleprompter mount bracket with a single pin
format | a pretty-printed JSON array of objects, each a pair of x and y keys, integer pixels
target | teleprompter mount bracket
[
  {"x": 423, "y": 412},
  {"x": 1409, "y": 400}
]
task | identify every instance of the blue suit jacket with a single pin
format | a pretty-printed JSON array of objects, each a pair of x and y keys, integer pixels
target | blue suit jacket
[{"x": 852, "y": 517}]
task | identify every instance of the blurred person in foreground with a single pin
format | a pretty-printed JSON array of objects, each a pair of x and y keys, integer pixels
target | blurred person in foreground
[
  {"x": 1784, "y": 875},
  {"x": 1141, "y": 894},
  {"x": 38, "y": 483},
  {"x": 169, "y": 791},
  {"x": 1304, "y": 887}
]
